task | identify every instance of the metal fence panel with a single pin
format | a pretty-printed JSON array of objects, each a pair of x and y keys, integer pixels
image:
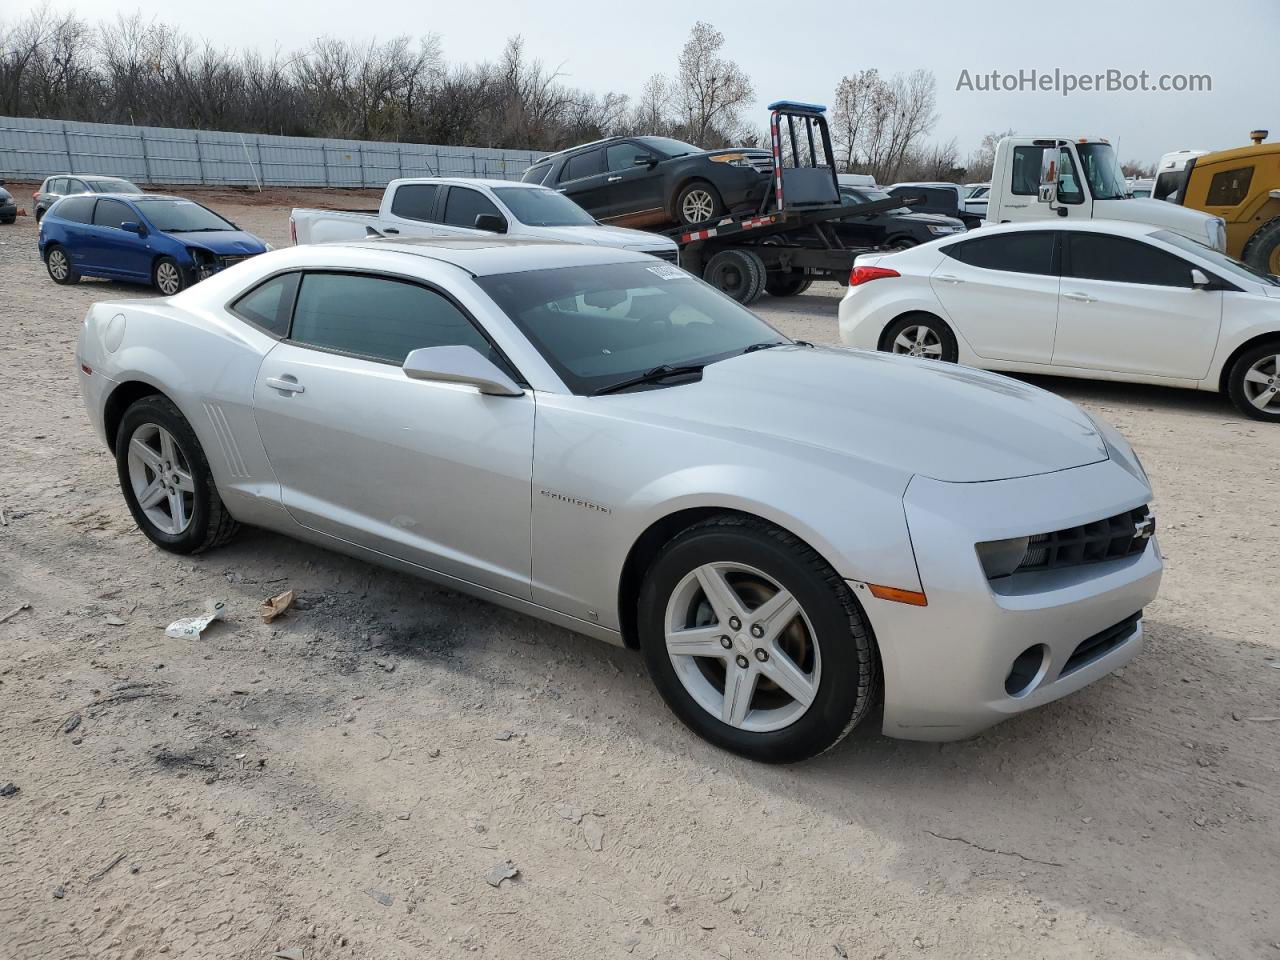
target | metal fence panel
[{"x": 32, "y": 149}]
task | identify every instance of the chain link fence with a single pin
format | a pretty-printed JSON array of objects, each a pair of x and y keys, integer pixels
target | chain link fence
[{"x": 32, "y": 149}]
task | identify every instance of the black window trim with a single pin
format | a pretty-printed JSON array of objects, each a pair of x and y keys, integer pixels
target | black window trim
[
  {"x": 512, "y": 370},
  {"x": 1057, "y": 258},
  {"x": 230, "y": 305},
  {"x": 1066, "y": 262}
]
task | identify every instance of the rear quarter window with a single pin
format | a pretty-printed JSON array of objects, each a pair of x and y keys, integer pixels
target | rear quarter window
[
  {"x": 269, "y": 305},
  {"x": 537, "y": 173},
  {"x": 1018, "y": 252},
  {"x": 75, "y": 209}
]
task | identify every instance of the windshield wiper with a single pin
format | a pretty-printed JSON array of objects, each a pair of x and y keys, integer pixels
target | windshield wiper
[
  {"x": 766, "y": 345},
  {"x": 649, "y": 376}
]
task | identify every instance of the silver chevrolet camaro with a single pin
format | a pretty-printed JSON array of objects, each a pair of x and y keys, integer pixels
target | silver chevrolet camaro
[{"x": 793, "y": 536}]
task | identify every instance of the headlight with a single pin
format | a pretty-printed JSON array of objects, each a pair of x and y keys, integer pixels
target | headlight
[
  {"x": 1217, "y": 230},
  {"x": 939, "y": 231},
  {"x": 999, "y": 558},
  {"x": 732, "y": 159}
]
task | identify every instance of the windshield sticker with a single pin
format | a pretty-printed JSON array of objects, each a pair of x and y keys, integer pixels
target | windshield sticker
[{"x": 667, "y": 272}]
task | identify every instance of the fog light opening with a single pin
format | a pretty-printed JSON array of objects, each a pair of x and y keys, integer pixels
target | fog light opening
[{"x": 1026, "y": 670}]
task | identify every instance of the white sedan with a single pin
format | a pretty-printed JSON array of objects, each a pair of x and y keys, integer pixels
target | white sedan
[
  {"x": 790, "y": 534},
  {"x": 1100, "y": 299}
]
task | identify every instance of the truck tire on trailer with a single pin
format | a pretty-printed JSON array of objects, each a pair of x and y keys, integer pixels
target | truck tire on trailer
[
  {"x": 786, "y": 283},
  {"x": 738, "y": 274},
  {"x": 1262, "y": 252}
]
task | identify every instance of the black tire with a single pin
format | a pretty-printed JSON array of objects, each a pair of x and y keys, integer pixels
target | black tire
[
  {"x": 786, "y": 283},
  {"x": 13, "y": 219},
  {"x": 58, "y": 263},
  {"x": 210, "y": 524},
  {"x": 168, "y": 277},
  {"x": 738, "y": 274},
  {"x": 849, "y": 678},
  {"x": 1262, "y": 251},
  {"x": 942, "y": 333},
  {"x": 39, "y": 214},
  {"x": 686, "y": 202},
  {"x": 1266, "y": 357}
]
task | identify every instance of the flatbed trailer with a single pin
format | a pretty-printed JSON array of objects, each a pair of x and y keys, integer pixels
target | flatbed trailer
[{"x": 789, "y": 241}]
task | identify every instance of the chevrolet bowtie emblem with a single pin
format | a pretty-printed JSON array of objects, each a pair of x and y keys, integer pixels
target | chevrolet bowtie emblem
[{"x": 1145, "y": 528}]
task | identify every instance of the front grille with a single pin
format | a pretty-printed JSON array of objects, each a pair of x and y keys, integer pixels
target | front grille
[
  {"x": 761, "y": 164},
  {"x": 667, "y": 254},
  {"x": 232, "y": 260},
  {"x": 1101, "y": 643},
  {"x": 1124, "y": 535}
]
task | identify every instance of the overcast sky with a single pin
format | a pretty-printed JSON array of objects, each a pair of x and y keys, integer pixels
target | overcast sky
[{"x": 799, "y": 49}]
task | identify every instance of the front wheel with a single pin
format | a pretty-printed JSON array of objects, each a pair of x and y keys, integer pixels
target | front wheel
[
  {"x": 921, "y": 335},
  {"x": 168, "y": 277},
  {"x": 697, "y": 203},
  {"x": 1254, "y": 382},
  {"x": 755, "y": 643},
  {"x": 166, "y": 479}
]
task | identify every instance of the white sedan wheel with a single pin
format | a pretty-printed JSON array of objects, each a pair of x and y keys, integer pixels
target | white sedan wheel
[
  {"x": 742, "y": 647},
  {"x": 919, "y": 341},
  {"x": 1262, "y": 383}
]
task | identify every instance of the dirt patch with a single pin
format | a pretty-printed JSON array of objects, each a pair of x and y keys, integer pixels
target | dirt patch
[{"x": 341, "y": 780}]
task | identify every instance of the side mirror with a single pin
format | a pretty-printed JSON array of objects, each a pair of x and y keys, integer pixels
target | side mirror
[
  {"x": 459, "y": 364},
  {"x": 131, "y": 226},
  {"x": 1048, "y": 193},
  {"x": 1198, "y": 278},
  {"x": 648, "y": 160},
  {"x": 491, "y": 222}
]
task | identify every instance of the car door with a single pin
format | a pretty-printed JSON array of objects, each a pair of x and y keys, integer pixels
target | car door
[
  {"x": 413, "y": 211},
  {"x": 113, "y": 249},
  {"x": 1130, "y": 307},
  {"x": 1023, "y": 202},
  {"x": 584, "y": 179},
  {"x": 1000, "y": 291},
  {"x": 860, "y": 231},
  {"x": 633, "y": 183},
  {"x": 459, "y": 209},
  {"x": 436, "y": 474}
]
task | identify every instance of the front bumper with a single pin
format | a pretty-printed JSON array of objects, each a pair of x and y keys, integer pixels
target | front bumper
[
  {"x": 8, "y": 211},
  {"x": 946, "y": 664},
  {"x": 204, "y": 267}
]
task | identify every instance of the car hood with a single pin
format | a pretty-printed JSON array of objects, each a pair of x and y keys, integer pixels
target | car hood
[
  {"x": 925, "y": 417},
  {"x": 222, "y": 242},
  {"x": 1158, "y": 213},
  {"x": 600, "y": 235}
]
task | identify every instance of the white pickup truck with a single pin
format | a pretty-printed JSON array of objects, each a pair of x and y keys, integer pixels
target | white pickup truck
[
  {"x": 461, "y": 207},
  {"x": 1038, "y": 177}
]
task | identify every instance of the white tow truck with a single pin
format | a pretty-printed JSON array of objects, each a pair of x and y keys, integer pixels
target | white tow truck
[
  {"x": 1035, "y": 178},
  {"x": 465, "y": 207}
]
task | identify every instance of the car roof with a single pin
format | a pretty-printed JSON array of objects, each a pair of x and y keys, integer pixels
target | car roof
[
  {"x": 86, "y": 176},
  {"x": 490, "y": 182},
  {"x": 1122, "y": 228},
  {"x": 484, "y": 256},
  {"x": 926, "y": 183}
]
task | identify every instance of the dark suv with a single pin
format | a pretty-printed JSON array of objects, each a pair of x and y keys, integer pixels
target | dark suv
[
  {"x": 896, "y": 229},
  {"x": 651, "y": 181}
]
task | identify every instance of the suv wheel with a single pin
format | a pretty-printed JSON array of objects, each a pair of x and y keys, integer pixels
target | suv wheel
[{"x": 697, "y": 203}]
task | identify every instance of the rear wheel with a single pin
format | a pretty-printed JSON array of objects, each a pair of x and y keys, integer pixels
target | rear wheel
[
  {"x": 754, "y": 642},
  {"x": 58, "y": 263},
  {"x": 737, "y": 273},
  {"x": 786, "y": 283},
  {"x": 167, "y": 276},
  {"x": 697, "y": 203},
  {"x": 1262, "y": 252},
  {"x": 1254, "y": 382},
  {"x": 921, "y": 335}
]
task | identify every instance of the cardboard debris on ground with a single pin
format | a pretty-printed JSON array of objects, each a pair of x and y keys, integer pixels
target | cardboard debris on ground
[
  {"x": 272, "y": 607},
  {"x": 190, "y": 628}
]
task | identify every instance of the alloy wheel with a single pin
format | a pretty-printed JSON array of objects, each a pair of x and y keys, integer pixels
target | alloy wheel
[
  {"x": 1262, "y": 383},
  {"x": 58, "y": 265},
  {"x": 168, "y": 279},
  {"x": 698, "y": 206},
  {"x": 742, "y": 646},
  {"x": 919, "y": 341},
  {"x": 161, "y": 478}
]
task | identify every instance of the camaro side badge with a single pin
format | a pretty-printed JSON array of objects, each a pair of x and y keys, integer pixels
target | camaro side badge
[
  {"x": 1145, "y": 528},
  {"x": 575, "y": 501}
]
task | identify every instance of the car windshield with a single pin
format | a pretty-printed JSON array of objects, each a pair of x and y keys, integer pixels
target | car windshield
[
  {"x": 182, "y": 216},
  {"x": 1219, "y": 260},
  {"x": 1102, "y": 170},
  {"x": 862, "y": 195},
  {"x": 602, "y": 324},
  {"x": 113, "y": 185},
  {"x": 669, "y": 147},
  {"x": 543, "y": 208}
]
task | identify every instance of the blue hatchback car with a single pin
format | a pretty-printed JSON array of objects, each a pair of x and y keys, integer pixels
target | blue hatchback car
[{"x": 168, "y": 242}]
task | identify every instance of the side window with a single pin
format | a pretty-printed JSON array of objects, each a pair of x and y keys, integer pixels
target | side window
[
  {"x": 112, "y": 213},
  {"x": 76, "y": 186},
  {"x": 76, "y": 209},
  {"x": 938, "y": 198},
  {"x": 58, "y": 185},
  {"x": 414, "y": 201},
  {"x": 1098, "y": 256},
  {"x": 537, "y": 173},
  {"x": 379, "y": 318},
  {"x": 623, "y": 156},
  {"x": 269, "y": 304},
  {"x": 463, "y": 205},
  {"x": 1015, "y": 252},
  {"x": 1068, "y": 183},
  {"x": 1229, "y": 188},
  {"x": 1025, "y": 181},
  {"x": 583, "y": 165}
]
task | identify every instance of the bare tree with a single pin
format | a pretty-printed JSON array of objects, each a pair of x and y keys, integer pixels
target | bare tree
[
  {"x": 710, "y": 89},
  {"x": 860, "y": 99},
  {"x": 979, "y": 164}
]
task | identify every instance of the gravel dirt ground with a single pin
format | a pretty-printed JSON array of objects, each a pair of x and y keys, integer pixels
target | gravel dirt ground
[{"x": 341, "y": 781}]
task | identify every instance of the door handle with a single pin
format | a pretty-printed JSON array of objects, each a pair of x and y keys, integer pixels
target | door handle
[
  {"x": 1081, "y": 297},
  {"x": 948, "y": 278},
  {"x": 285, "y": 385},
  {"x": 391, "y": 230},
  {"x": 614, "y": 179}
]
